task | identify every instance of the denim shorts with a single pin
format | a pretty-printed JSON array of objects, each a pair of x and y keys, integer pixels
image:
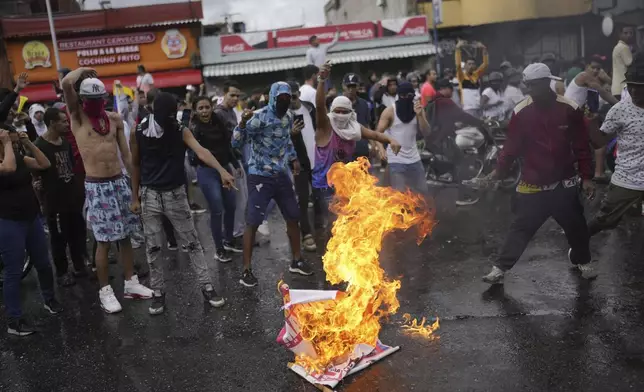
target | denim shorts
[{"x": 260, "y": 192}]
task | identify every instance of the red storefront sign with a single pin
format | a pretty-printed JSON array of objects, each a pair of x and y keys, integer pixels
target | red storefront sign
[
  {"x": 349, "y": 32},
  {"x": 244, "y": 42},
  {"x": 416, "y": 25},
  {"x": 106, "y": 41},
  {"x": 236, "y": 43}
]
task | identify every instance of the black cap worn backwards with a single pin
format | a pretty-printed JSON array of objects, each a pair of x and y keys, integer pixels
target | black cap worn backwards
[{"x": 351, "y": 79}]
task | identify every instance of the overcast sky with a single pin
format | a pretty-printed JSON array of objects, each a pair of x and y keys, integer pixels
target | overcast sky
[{"x": 258, "y": 14}]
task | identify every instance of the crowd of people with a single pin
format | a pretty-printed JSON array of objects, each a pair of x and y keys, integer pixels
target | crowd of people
[{"x": 125, "y": 176}]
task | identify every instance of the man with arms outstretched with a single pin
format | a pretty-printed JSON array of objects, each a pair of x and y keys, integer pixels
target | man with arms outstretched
[{"x": 100, "y": 138}]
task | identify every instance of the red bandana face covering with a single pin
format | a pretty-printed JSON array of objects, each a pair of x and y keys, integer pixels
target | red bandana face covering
[{"x": 95, "y": 110}]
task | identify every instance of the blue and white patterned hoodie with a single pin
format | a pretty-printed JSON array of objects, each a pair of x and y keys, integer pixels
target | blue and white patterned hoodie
[{"x": 269, "y": 137}]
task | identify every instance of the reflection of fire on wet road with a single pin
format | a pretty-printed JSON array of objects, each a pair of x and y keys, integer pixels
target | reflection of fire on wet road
[{"x": 365, "y": 213}]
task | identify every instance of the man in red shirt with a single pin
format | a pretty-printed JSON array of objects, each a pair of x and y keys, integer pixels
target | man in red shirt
[
  {"x": 549, "y": 133},
  {"x": 427, "y": 90}
]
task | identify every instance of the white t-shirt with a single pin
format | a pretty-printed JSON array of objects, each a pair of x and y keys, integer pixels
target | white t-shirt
[
  {"x": 307, "y": 93},
  {"x": 308, "y": 133},
  {"x": 511, "y": 97},
  {"x": 405, "y": 134},
  {"x": 627, "y": 121},
  {"x": 471, "y": 99},
  {"x": 144, "y": 82},
  {"x": 626, "y": 96},
  {"x": 496, "y": 112},
  {"x": 126, "y": 131},
  {"x": 389, "y": 101},
  {"x": 238, "y": 112}
]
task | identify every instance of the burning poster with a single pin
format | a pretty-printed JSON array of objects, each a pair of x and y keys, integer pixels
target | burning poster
[{"x": 334, "y": 333}]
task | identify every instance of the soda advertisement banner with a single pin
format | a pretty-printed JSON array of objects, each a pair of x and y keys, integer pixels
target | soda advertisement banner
[{"x": 236, "y": 43}]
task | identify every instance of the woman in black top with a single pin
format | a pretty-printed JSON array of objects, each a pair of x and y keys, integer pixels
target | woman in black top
[
  {"x": 21, "y": 229},
  {"x": 210, "y": 131}
]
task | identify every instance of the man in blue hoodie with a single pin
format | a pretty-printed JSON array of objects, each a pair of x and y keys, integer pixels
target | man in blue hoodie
[{"x": 268, "y": 131}]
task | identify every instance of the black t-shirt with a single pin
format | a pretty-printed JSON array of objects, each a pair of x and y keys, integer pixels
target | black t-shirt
[
  {"x": 216, "y": 138},
  {"x": 17, "y": 198},
  {"x": 161, "y": 158},
  {"x": 59, "y": 180}
]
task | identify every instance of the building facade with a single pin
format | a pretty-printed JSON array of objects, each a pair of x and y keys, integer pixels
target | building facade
[
  {"x": 257, "y": 59},
  {"x": 164, "y": 38},
  {"x": 349, "y": 11}
]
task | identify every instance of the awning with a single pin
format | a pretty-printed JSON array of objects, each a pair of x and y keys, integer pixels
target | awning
[
  {"x": 45, "y": 91},
  {"x": 253, "y": 67}
]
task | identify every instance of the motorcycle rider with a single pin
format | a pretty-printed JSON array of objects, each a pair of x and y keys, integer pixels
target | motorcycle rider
[{"x": 443, "y": 114}]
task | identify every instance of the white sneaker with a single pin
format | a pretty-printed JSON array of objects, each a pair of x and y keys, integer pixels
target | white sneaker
[
  {"x": 263, "y": 229},
  {"x": 495, "y": 276},
  {"x": 109, "y": 303},
  {"x": 135, "y": 290},
  {"x": 468, "y": 201},
  {"x": 587, "y": 271},
  {"x": 309, "y": 243}
]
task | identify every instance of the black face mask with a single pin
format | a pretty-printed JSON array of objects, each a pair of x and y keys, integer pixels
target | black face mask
[{"x": 281, "y": 107}]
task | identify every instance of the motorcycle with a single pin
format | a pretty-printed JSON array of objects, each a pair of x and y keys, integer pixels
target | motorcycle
[
  {"x": 471, "y": 151},
  {"x": 26, "y": 268}
]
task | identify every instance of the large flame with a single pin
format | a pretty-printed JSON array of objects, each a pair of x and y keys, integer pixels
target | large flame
[{"x": 365, "y": 213}]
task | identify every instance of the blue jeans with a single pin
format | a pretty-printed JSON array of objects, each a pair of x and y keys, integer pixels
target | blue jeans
[
  {"x": 408, "y": 175},
  {"x": 221, "y": 201},
  {"x": 15, "y": 238}
]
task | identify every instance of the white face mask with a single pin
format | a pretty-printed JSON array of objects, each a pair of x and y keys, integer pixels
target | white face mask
[{"x": 341, "y": 120}]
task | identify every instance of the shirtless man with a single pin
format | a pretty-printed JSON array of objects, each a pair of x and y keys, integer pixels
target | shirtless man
[
  {"x": 593, "y": 78},
  {"x": 100, "y": 137}
]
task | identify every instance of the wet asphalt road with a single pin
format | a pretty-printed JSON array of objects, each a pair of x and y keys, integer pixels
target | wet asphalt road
[{"x": 545, "y": 331}]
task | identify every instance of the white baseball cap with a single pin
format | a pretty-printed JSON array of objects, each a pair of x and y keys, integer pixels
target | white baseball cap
[
  {"x": 538, "y": 71},
  {"x": 92, "y": 88}
]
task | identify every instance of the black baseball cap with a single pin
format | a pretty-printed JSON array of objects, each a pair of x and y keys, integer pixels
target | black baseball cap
[
  {"x": 351, "y": 79},
  {"x": 444, "y": 83},
  {"x": 295, "y": 86}
]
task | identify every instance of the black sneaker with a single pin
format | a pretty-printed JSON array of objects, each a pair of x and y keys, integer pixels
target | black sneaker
[
  {"x": 19, "y": 328},
  {"x": 66, "y": 280},
  {"x": 233, "y": 246},
  {"x": 158, "y": 304},
  {"x": 301, "y": 267},
  {"x": 196, "y": 208},
  {"x": 81, "y": 272},
  {"x": 53, "y": 306},
  {"x": 248, "y": 279},
  {"x": 172, "y": 246},
  {"x": 213, "y": 299},
  {"x": 222, "y": 256}
]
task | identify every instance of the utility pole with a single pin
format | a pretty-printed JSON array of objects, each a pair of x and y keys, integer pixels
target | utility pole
[
  {"x": 52, "y": 31},
  {"x": 437, "y": 6}
]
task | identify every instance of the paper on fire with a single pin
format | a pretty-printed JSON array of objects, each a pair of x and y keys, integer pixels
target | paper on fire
[{"x": 290, "y": 337}]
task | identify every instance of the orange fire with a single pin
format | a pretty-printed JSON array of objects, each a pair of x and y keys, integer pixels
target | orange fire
[
  {"x": 365, "y": 213},
  {"x": 415, "y": 327}
]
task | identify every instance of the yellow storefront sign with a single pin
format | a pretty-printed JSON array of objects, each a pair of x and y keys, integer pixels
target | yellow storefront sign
[
  {"x": 478, "y": 12},
  {"x": 174, "y": 44},
  {"x": 36, "y": 54}
]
